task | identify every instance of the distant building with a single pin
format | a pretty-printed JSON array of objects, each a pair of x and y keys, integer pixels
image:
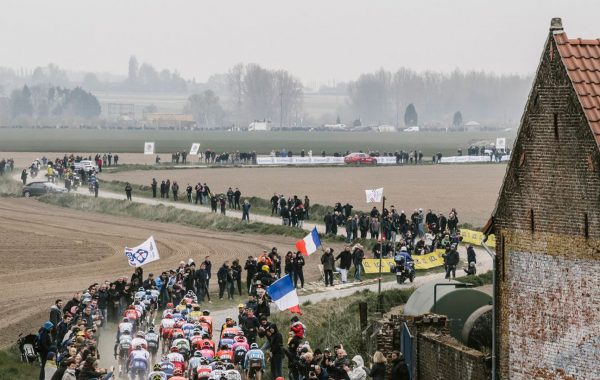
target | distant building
[
  {"x": 472, "y": 126},
  {"x": 121, "y": 111},
  {"x": 336, "y": 127},
  {"x": 258, "y": 126},
  {"x": 386, "y": 128},
  {"x": 547, "y": 222}
]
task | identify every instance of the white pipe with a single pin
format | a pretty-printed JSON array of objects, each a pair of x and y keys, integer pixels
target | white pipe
[{"x": 493, "y": 256}]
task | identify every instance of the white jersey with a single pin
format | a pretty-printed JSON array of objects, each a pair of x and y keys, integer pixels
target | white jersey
[
  {"x": 139, "y": 342},
  {"x": 139, "y": 295},
  {"x": 152, "y": 337},
  {"x": 125, "y": 326},
  {"x": 167, "y": 311},
  {"x": 167, "y": 323},
  {"x": 175, "y": 357},
  {"x": 181, "y": 342},
  {"x": 139, "y": 354}
]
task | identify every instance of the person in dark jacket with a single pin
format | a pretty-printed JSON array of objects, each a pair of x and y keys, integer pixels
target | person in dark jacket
[
  {"x": 90, "y": 371},
  {"x": 299, "y": 269},
  {"x": 451, "y": 260},
  {"x": 154, "y": 185},
  {"x": 328, "y": 262},
  {"x": 251, "y": 269},
  {"x": 237, "y": 268},
  {"x": 44, "y": 345},
  {"x": 56, "y": 312},
  {"x": 276, "y": 346},
  {"x": 345, "y": 258},
  {"x": 399, "y": 368},
  {"x": 237, "y": 195},
  {"x": 222, "y": 275},
  {"x": 377, "y": 371},
  {"x": 128, "y": 190}
]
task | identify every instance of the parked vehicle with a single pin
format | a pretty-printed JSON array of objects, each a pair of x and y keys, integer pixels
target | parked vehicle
[
  {"x": 359, "y": 159},
  {"x": 40, "y": 188},
  {"x": 86, "y": 165}
]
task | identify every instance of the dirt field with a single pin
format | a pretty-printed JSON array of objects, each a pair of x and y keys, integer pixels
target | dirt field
[
  {"x": 49, "y": 253},
  {"x": 471, "y": 189}
]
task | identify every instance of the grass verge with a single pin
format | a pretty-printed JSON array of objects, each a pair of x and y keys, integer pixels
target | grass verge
[
  {"x": 11, "y": 367},
  {"x": 478, "y": 280}
]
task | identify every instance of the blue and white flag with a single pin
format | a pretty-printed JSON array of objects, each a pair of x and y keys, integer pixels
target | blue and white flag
[
  {"x": 143, "y": 253},
  {"x": 283, "y": 293}
]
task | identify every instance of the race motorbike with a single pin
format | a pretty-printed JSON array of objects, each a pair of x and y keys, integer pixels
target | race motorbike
[{"x": 405, "y": 270}]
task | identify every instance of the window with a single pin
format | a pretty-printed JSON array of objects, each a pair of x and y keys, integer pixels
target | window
[{"x": 531, "y": 220}]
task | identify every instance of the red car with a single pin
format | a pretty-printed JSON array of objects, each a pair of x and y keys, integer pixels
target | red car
[{"x": 360, "y": 158}]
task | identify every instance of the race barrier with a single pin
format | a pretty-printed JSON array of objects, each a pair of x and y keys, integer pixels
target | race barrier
[
  {"x": 315, "y": 160},
  {"x": 427, "y": 261},
  {"x": 475, "y": 238},
  {"x": 471, "y": 159}
]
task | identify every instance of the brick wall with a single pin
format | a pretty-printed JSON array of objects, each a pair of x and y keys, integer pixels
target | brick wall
[
  {"x": 547, "y": 225},
  {"x": 442, "y": 357}
]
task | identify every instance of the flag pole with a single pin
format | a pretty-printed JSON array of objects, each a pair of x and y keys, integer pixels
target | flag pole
[{"x": 379, "y": 297}]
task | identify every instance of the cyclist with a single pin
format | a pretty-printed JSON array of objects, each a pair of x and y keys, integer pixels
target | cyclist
[
  {"x": 176, "y": 359},
  {"x": 157, "y": 373},
  {"x": 254, "y": 363},
  {"x": 178, "y": 375},
  {"x": 125, "y": 325},
  {"x": 139, "y": 340},
  {"x": 139, "y": 360}
]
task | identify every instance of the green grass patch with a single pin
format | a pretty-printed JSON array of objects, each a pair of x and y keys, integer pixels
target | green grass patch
[
  {"x": 478, "y": 280},
  {"x": 11, "y": 367}
]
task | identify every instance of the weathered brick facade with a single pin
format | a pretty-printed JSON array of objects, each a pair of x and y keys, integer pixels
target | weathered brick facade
[{"x": 547, "y": 223}]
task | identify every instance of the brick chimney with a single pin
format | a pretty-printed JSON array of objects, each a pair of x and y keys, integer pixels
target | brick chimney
[{"x": 556, "y": 25}]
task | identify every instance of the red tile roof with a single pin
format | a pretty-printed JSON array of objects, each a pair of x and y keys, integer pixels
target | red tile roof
[{"x": 582, "y": 60}]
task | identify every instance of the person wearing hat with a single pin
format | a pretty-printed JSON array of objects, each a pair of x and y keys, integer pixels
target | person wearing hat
[
  {"x": 44, "y": 345},
  {"x": 399, "y": 369}
]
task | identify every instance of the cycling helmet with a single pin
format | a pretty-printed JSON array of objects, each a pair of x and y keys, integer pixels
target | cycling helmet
[
  {"x": 204, "y": 361},
  {"x": 206, "y": 344},
  {"x": 140, "y": 334},
  {"x": 148, "y": 292},
  {"x": 126, "y": 332},
  {"x": 141, "y": 289},
  {"x": 240, "y": 339},
  {"x": 177, "y": 372},
  {"x": 138, "y": 346},
  {"x": 174, "y": 349},
  {"x": 157, "y": 367},
  {"x": 169, "y": 316},
  {"x": 178, "y": 336},
  {"x": 265, "y": 268},
  {"x": 197, "y": 353},
  {"x": 125, "y": 319},
  {"x": 254, "y": 346},
  {"x": 196, "y": 332},
  {"x": 205, "y": 312},
  {"x": 151, "y": 328},
  {"x": 170, "y": 305},
  {"x": 229, "y": 366}
]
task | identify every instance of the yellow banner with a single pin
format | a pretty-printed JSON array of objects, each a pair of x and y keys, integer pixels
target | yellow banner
[
  {"x": 475, "y": 237},
  {"x": 427, "y": 261}
]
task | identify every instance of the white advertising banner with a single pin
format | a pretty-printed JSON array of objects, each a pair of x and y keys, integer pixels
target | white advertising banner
[
  {"x": 194, "y": 149},
  {"x": 470, "y": 159},
  {"x": 501, "y": 143},
  {"x": 148, "y": 147}
]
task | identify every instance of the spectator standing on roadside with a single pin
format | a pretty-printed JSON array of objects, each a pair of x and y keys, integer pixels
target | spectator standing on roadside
[
  {"x": 222, "y": 203},
  {"x": 96, "y": 186},
  {"x": 345, "y": 258},
  {"x": 198, "y": 189},
  {"x": 299, "y": 270},
  {"x": 116, "y": 159},
  {"x": 230, "y": 198},
  {"x": 236, "y": 197},
  {"x": 237, "y": 268},
  {"x": 306, "y": 207},
  {"x": 163, "y": 187},
  {"x": 328, "y": 262},
  {"x": 274, "y": 204},
  {"x": 167, "y": 188},
  {"x": 246, "y": 211},
  {"x": 175, "y": 190},
  {"x": 154, "y": 185},
  {"x": 24, "y": 176},
  {"x": 188, "y": 191},
  {"x": 128, "y": 190}
]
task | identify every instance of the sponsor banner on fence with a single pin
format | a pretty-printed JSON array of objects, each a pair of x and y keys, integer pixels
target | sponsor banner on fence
[
  {"x": 427, "y": 261},
  {"x": 470, "y": 159},
  {"x": 475, "y": 237},
  {"x": 194, "y": 149},
  {"x": 148, "y": 147},
  {"x": 386, "y": 160},
  {"x": 299, "y": 160}
]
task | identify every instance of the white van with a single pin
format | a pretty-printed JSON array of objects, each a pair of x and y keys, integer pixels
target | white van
[{"x": 86, "y": 165}]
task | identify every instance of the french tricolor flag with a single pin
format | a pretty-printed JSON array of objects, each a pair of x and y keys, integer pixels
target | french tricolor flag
[
  {"x": 283, "y": 293},
  {"x": 309, "y": 244}
]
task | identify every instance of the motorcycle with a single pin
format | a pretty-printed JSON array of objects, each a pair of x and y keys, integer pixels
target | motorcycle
[{"x": 405, "y": 270}]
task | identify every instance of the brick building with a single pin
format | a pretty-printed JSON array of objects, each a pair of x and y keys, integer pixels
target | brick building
[{"x": 547, "y": 222}]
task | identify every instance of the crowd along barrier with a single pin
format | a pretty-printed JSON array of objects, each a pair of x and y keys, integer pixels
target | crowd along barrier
[{"x": 315, "y": 160}]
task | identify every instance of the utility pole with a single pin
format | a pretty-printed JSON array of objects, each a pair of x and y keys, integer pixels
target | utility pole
[{"x": 379, "y": 296}]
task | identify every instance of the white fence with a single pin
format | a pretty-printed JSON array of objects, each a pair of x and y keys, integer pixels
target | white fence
[
  {"x": 315, "y": 160},
  {"x": 470, "y": 159}
]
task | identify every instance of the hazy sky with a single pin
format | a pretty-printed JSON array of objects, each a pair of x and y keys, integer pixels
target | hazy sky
[{"x": 317, "y": 40}]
